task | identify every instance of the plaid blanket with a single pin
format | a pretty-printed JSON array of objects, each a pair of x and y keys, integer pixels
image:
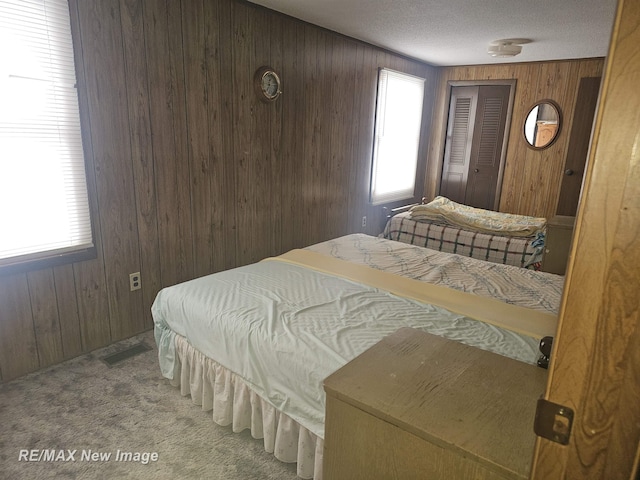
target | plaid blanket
[{"x": 519, "y": 251}]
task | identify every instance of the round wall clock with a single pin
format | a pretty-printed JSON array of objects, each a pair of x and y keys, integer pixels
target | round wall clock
[{"x": 267, "y": 83}]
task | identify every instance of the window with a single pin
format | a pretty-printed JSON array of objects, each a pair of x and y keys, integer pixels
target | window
[
  {"x": 396, "y": 137},
  {"x": 44, "y": 207}
]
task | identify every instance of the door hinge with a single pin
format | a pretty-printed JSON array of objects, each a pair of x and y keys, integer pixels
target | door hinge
[{"x": 553, "y": 421}]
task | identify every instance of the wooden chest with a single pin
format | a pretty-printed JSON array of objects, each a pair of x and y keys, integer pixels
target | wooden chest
[{"x": 417, "y": 406}]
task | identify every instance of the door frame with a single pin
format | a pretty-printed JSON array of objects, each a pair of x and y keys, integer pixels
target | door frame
[
  {"x": 507, "y": 128},
  {"x": 595, "y": 362}
]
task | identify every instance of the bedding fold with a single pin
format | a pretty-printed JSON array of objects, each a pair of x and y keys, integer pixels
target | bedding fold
[
  {"x": 448, "y": 212},
  {"x": 518, "y": 319}
]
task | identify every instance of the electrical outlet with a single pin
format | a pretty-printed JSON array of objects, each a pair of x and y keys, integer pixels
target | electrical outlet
[
  {"x": 134, "y": 281},
  {"x": 364, "y": 221}
]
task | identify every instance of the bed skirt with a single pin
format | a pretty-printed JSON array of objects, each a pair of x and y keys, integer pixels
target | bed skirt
[{"x": 232, "y": 402}]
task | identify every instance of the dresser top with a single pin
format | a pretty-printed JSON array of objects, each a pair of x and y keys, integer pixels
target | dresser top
[{"x": 450, "y": 394}]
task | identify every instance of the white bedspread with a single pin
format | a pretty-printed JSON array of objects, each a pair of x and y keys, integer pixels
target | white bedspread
[
  {"x": 517, "y": 286},
  {"x": 284, "y": 328}
]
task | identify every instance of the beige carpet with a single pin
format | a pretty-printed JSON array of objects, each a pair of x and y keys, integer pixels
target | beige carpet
[{"x": 70, "y": 414}]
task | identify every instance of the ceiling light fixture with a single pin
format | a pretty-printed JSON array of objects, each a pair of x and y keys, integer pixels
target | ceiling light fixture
[{"x": 509, "y": 47}]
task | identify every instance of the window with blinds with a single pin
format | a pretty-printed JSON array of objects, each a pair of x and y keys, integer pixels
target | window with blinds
[
  {"x": 396, "y": 136},
  {"x": 44, "y": 207}
]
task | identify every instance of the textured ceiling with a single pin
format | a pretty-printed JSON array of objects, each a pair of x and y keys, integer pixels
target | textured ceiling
[{"x": 458, "y": 32}]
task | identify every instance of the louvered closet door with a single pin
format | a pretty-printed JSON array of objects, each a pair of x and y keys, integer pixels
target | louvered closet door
[
  {"x": 475, "y": 136},
  {"x": 457, "y": 154}
]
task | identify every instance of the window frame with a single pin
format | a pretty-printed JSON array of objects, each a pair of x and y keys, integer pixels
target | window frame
[
  {"x": 68, "y": 255},
  {"x": 418, "y": 188}
]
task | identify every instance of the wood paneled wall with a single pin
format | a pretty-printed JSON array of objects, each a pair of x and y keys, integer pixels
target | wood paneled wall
[
  {"x": 532, "y": 178},
  {"x": 191, "y": 173}
]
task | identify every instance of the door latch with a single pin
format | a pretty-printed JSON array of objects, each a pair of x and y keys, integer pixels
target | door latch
[{"x": 553, "y": 421}]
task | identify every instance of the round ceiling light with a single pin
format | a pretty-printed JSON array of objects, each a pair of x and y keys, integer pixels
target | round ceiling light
[{"x": 509, "y": 47}]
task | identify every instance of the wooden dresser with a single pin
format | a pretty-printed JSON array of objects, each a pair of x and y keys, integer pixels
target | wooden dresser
[{"x": 417, "y": 406}]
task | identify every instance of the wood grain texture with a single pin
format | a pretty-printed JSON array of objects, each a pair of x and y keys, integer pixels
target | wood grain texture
[
  {"x": 292, "y": 146},
  {"x": 175, "y": 193},
  {"x": 595, "y": 365},
  {"x": 18, "y": 347},
  {"x": 221, "y": 111},
  {"x": 112, "y": 163},
  {"x": 365, "y": 448},
  {"x": 68, "y": 311},
  {"x": 531, "y": 178},
  {"x": 44, "y": 308},
  {"x": 189, "y": 172},
  {"x": 196, "y": 78},
  {"x": 166, "y": 90},
  {"x": 136, "y": 80},
  {"x": 89, "y": 277},
  {"x": 458, "y": 401}
]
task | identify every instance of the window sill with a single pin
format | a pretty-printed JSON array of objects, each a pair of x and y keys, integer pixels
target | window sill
[{"x": 39, "y": 261}]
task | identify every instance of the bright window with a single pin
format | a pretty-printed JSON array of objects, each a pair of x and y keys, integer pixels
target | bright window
[
  {"x": 397, "y": 136},
  {"x": 44, "y": 208}
]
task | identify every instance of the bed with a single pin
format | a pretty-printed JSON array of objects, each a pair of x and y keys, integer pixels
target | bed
[
  {"x": 451, "y": 227},
  {"x": 254, "y": 344}
]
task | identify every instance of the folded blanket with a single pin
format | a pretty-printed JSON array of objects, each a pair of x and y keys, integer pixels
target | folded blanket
[{"x": 447, "y": 212}]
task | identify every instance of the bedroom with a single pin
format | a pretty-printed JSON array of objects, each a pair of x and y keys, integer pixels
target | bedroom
[{"x": 168, "y": 218}]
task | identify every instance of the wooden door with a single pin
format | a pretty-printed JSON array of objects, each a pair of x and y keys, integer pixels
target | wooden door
[
  {"x": 595, "y": 363},
  {"x": 578, "y": 149},
  {"x": 457, "y": 153},
  {"x": 474, "y": 144},
  {"x": 486, "y": 150}
]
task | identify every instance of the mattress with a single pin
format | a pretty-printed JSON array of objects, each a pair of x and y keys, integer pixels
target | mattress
[
  {"x": 517, "y": 251},
  {"x": 278, "y": 328}
]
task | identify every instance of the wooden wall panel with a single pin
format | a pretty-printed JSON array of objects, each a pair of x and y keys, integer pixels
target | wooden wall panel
[
  {"x": 136, "y": 80},
  {"x": 166, "y": 91},
  {"x": 531, "y": 181},
  {"x": 192, "y": 174},
  {"x": 278, "y": 137},
  {"x": 18, "y": 348},
  {"x": 242, "y": 98},
  {"x": 341, "y": 151},
  {"x": 44, "y": 308},
  {"x": 196, "y": 98},
  {"x": 112, "y": 163},
  {"x": 220, "y": 109},
  {"x": 292, "y": 146},
  {"x": 67, "y": 302}
]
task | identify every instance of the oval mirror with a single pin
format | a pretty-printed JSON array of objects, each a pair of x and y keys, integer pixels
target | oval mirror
[{"x": 542, "y": 124}]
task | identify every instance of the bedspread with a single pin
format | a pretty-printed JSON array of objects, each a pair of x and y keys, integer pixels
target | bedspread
[
  {"x": 525, "y": 288},
  {"x": 283, "y": 328}
]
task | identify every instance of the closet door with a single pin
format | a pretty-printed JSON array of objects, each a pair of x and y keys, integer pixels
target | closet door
[
  {"x": 486, "y": 149},
  {"x": 457, "y": 154},
  {"x": 475, "y": 141}
]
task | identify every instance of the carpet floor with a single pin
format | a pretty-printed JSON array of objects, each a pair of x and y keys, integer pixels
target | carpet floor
[{"x": 82, "y": 419}]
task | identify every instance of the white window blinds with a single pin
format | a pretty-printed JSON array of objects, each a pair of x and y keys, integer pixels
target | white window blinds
[
  {"x": 44, "y": 207},
  {"x": 397, "y": 136}
]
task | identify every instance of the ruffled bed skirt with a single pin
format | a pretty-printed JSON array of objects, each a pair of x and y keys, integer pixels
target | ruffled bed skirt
[{"x": 232, "y": 402}]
